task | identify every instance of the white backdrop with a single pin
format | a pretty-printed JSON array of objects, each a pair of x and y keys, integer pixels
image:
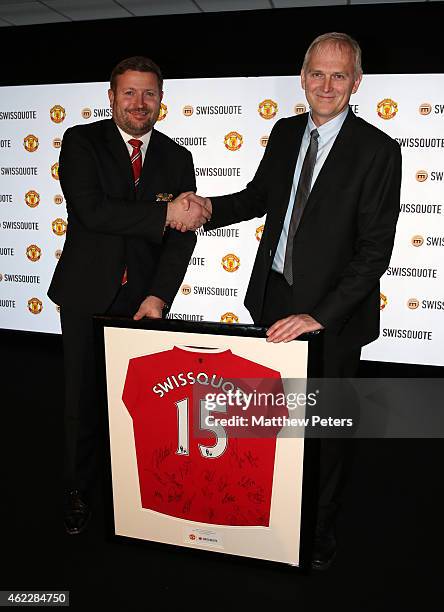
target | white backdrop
[{"x": 225, "y": 122}]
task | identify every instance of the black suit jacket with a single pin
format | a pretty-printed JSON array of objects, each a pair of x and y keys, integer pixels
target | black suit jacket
[
  {"x": 345, "y": 238},
  {"x": 111, "y": 225}
]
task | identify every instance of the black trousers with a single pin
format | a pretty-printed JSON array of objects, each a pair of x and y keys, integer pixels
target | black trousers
[
  {"x": 338, "y": 361},
  {"x": 82, "y": 418}
]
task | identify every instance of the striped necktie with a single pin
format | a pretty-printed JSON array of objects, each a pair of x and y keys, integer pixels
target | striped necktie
[
  {"x": 136, "y": 164},
  {"x": 136, "y": 159}
]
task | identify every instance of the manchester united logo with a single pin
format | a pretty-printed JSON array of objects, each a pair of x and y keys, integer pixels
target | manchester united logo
[
  {"x": 32, "y": 198},
  {"x": 57, "y": 113},
  {"x": 55, "y": 171},
  {"x": 163, "y": 112},
  {"x": 31, "y": 143},
  {"x": 33, "y": 252},
  {"x": 230, "y": 262},
  {"x": 259, "y": 232},
  {"x": 35, "y": 306},
  {"x": 229, "y": 317},
  {"x": 233, "y": 141},
  {"x": 188, "y": 110},
  {"x": 382, "y": 301},
  {"x": 268, "y": 109},
  {"x": 59, "y": 227},
  {"x": 387, "y": 108}
]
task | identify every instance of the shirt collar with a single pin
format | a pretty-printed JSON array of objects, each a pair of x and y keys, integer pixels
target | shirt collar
[
  {"x": 145, "y": 138},
  {"x": 330, "y": 128}
]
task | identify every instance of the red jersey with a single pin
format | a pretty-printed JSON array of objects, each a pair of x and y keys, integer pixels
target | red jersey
[{"x": 188, "y": 466}]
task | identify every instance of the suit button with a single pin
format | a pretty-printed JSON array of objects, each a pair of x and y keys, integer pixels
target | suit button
[{"x": 270, "y": 252}]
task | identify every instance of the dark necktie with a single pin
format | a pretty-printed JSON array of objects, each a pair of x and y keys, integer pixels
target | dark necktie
[
  {"x": 302, "y": 193},
  {"x": 136, "y": 163}
]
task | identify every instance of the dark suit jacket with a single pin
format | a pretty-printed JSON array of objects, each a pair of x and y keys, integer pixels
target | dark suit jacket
[
  {"x": 112, "y": 226},
  {"x": 345, "y": 237}
]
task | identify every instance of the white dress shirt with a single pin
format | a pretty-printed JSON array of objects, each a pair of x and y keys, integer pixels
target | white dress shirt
[
  {"x": 327, "y": 136},
  {"x": 145, "y": 139}
]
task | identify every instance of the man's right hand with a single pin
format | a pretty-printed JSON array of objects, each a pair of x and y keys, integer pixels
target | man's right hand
[{"x": 187, "y": 212}]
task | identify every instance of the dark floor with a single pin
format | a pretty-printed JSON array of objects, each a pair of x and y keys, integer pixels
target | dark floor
[{"x": 390, "y": 553}]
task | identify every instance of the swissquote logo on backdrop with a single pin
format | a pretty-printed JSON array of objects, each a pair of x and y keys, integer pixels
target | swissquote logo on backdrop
[
  {"x": 33, "y": 252},
  {"x": 32, "y": 198},
  {"x": 421, "y": 176},
  {"x": 421, "y": 208},
  {"x": 163, "y": 112},
  {"x": 268, "y": 109},
  {"x": 58, "y": 253},
  {"x": 233, "y": 141},
  {"x": 426, "y": 108},
  {"x": 387, "y": 108},
  {"x": 58, "y": 199},
  {"x": 213, "y": 109},
  {"x": 215, "y": 291},
  {"x": 191, "y": 141},
  {"x": 263, "y": 141},
  {"x": 413, "y": 303},
  {"x": 57, "y": 113},
  {"x": 300, "y": 108},
  {"x": 86, "y": 113},
  {"x": 229, "y": 317},
  {"x": 185, "y": 289},
  {"x": 31, "y": 143},
  {"x": 185, "y": 316},
  {"x": 230, "y": 262},
  {"x": 221, "y": 232},
  {"x": 57, "y": 143},
  {"x": 417, "y": 240},
  {"x": 433, "y": 241}
]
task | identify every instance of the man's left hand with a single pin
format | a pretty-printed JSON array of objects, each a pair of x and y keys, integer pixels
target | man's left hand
[
  {"x": 151, "y": 307},
  {"x": 291, "y": 327}
]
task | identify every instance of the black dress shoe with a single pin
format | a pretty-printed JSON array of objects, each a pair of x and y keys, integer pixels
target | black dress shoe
[
  {"x": 77, "y": 513},
  {"x": 324, "y": 548}
]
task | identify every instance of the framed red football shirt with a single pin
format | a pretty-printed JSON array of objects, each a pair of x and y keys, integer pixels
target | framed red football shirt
[{"x": 187, "y": 468}]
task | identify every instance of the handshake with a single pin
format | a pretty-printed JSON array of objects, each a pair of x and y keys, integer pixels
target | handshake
[{"x": 188, "y": 212}]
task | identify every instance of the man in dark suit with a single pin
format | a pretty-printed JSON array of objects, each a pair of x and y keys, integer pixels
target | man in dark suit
[
  {"x": 329, "y": 184},
  {"x": 121, "y": 180}
]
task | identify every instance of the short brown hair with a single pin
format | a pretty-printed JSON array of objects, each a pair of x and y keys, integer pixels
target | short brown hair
[
  {"x": 138, "y": 63},
  {"x": 340, "y": 40}
]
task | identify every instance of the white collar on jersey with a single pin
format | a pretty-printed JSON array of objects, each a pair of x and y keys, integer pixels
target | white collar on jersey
[{"x": 201, "y": 349}]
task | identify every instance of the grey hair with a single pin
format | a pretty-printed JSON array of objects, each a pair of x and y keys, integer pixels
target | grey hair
[{"x": 339, "y": 40}]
